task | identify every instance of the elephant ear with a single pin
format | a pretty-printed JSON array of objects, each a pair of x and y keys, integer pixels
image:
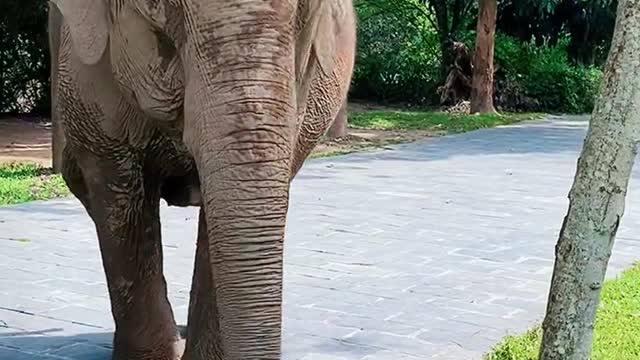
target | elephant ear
[
  {"x": 321, "y": 19},
  {"x": 87, "y": 21}
]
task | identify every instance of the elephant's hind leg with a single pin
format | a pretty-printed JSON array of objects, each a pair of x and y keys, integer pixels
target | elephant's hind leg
[
  {"x": 72, "y": 175},
  {"x": 125, "y": 209}
]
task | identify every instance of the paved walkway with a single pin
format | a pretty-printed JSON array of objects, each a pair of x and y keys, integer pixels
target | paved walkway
[{"x": 434, "y": 250}]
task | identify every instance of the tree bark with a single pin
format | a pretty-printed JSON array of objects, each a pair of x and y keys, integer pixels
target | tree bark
[
  {"x": 57, "y": 133},
  {"x": 439, "y": 8},
  {"x": 597, "y": 198},
  {"x": 339, "y": 127},
  {"x": 482, "y": 83}
]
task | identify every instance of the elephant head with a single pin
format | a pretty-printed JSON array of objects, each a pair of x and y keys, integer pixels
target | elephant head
[{"x": 236, "y": 75}]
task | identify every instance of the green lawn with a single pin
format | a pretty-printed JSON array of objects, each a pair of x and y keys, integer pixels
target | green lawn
[
  {"x": 403, "y": 122},
  {"x": 431, "y": 120},
  {"x": 27, "y": 182},
  {"x": 617, "y": 333}
]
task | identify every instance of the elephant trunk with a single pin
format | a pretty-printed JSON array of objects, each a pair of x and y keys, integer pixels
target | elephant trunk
[{"x": 239, "y": 121}]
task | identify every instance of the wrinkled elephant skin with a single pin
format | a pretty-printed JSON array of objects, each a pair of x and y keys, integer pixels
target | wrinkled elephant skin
[{"x": 210, "y": 103}]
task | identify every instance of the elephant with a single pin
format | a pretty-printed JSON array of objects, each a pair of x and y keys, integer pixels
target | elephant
[{"x": 207, "y": 103}]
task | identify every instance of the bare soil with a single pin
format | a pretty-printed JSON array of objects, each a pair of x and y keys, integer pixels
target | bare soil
[
  {"x": 29, "y": 140},
  {"x": 362, "y": 139},
  {"x": 358, "y": 140},
  {"x": 25, "y": 140}
]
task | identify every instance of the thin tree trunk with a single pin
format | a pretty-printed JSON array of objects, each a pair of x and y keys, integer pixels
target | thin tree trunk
[
  {"x": 339, "y": 127},
  {"x": 597, "y": 198},
  {"x": 447, "y": 57},
  {"x": 57, "y": 134},
  {"x": 482, "y": 83},
  {"x": 440, "y": 10}
]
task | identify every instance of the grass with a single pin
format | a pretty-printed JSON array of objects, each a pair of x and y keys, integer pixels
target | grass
[
  {"x": 403, "y": 122},
  {"x": 430, "y": 120},
  {"x": 334, "y": 153},
  {"x": 21, "y": 183},
  {"x": 617, "y": 332}
]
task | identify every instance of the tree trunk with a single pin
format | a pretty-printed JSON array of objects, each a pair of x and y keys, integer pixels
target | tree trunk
[
  {"x": 597, "y": 198},
  {"x": 446, "y": 57},
  {"x": 482, "y": 83},
  {"x": 339, "y": 127},
  {"x": 57, "y": 134}
]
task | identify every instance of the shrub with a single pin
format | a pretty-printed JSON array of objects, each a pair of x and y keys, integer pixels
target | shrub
[
  {"x": 558, "y": 85},
  {"x": 24, "y": 56},
  {"x": 398, "y": 58},
  {"x": 545, "y": 73}
]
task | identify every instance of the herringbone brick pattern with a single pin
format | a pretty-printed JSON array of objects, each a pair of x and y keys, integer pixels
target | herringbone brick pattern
[{"x": 433, "y": 250}]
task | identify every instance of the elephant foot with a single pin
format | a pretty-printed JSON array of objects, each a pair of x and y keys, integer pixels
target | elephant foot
[{"x": 173, "y": 350}]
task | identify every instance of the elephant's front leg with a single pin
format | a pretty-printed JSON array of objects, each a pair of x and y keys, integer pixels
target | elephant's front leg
[
  {"x": 125, "y": 208},
  {"x": 203, "y": 334}
]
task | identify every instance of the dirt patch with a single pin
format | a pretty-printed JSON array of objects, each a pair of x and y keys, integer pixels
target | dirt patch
[
  {"x": 359, "y": 140},
  {"x": 25, "y": 140},
  {"x": 29, "y": 140}
]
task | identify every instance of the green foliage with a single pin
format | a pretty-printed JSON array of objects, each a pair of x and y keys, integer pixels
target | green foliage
[
  {"x": 617, "y": 331},
  {"x": 24, "y": 56},
  {"x": 20, "y": 170},
  {"x": 559, "y": 86},
  {"x": 397, "y": 57},
  {"x": 523, "y": 347},
  {"x": 545, "y": 74},
  {"x": 588, "y": 24},
  {"x": 400, "y": 50},
  {"x": 21, "y": 183}
]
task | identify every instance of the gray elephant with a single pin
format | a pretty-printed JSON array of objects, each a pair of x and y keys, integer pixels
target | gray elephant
[{"x": 213, "y": 103}]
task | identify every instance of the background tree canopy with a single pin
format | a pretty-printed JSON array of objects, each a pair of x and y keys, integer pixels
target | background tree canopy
[
  {"x": 550, "y": 51},
  {"x": 24, "y": 56}
]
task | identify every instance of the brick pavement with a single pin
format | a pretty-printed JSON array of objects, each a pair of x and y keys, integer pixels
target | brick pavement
[{"x": 433, "y": 250}]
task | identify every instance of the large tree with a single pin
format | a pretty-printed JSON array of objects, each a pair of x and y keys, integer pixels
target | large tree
[
  {"x": 446, "y": 17},
  {"x": 482, "y": 83},
  {"x": 597, "y": 198},
  {"x": 24, "y": 64}
]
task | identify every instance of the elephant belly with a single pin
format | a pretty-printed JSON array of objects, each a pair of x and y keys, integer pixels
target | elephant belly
[
  {"x": 170, "y": 161},
  {"x": 182, "y": 190}
]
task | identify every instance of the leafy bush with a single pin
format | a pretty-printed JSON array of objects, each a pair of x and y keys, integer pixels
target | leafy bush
[
  {"x": 398, "y": 61},
  {"x": 545, "y": 73},
  {"x": 24, "y": 56},
  {"x": 398, "y": 57},
  {"x": 559, "y": 86}
]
